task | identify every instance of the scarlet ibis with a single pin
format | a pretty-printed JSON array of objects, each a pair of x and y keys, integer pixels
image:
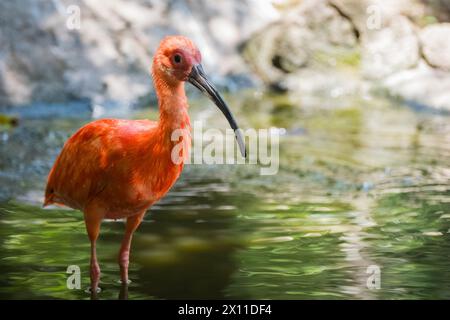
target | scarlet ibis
[{"x": 113, "y": 168}]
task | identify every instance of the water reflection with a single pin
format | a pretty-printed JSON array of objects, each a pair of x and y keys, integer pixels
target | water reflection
[{"x": 362, "y": 183}]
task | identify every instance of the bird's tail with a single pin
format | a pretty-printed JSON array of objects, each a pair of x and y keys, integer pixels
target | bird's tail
[
  {"x": 49, "y": 194},
  {"x": 48, "y": 199}
]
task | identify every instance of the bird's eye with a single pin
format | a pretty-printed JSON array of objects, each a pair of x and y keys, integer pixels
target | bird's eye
[{"x": 177, "y": 58}]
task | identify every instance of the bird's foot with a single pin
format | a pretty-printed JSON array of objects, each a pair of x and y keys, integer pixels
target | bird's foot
[
  {"x": 124, "y": 276},
  {"x": 126, "y": 281},
  {"x": 94, "y": 289},
  {"x": 91, "y": 290}
]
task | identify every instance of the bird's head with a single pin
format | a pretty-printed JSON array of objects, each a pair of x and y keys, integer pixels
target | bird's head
[{"x": 177, "y": 60}]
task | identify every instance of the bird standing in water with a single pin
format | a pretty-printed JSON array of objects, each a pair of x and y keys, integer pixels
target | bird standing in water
[{"x": 114, "y": 169}]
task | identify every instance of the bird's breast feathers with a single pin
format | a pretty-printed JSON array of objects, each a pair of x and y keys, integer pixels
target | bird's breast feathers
[{"x": 124, "y": 165}]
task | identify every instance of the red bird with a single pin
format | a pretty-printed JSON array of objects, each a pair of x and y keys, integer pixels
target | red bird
[{"x": 113, "y": 168}]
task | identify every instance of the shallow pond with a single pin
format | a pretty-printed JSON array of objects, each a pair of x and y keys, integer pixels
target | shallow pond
[{"x": 361, "y": 182}]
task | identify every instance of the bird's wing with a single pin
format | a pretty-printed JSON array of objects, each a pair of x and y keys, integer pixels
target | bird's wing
[{"x": 78, "y": 172}]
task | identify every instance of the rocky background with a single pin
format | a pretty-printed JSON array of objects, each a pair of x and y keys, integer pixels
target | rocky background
[
  {"x": 329, "y": 47},
  {"x": 401, "y": 48}
]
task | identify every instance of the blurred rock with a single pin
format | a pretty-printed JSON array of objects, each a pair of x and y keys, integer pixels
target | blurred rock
[
  {"x": 109, "y": 57},
  {"x": 393, "y": 48},
  {"x": 299, "y": 51},
  {"x": 324, "y": 47},
  {"x": 373, "y": 15},
  {"x": 438, "y": 8},
  {"x": 436, "y": 45},
  {"x": 342, "y": 47},
  {"x": 422, "y": 85}
]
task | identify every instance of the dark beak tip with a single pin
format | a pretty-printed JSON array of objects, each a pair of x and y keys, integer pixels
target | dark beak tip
[{"x": 198, "y": 78}]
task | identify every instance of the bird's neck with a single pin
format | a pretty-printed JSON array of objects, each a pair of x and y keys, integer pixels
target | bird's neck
[
  {"x": 173, "y": 107},
  {"x": 174, "y": 124}
]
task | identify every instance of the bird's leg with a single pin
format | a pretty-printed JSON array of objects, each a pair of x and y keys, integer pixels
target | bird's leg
[
  {"x": 93, "y": 222},
  {"x": 124, "y": 254}
]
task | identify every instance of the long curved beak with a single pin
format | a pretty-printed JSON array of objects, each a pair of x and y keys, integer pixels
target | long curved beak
[{"x": 198, "y": 78}]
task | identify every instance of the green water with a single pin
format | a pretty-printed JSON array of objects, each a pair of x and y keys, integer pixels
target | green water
[{"x": 360, "y": 183}]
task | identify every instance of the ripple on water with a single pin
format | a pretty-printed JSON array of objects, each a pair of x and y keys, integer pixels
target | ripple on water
[{"x": 363, "y": 185}]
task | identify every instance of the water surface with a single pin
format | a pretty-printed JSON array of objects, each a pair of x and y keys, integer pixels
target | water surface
[{"x": 361, "y": 183}]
